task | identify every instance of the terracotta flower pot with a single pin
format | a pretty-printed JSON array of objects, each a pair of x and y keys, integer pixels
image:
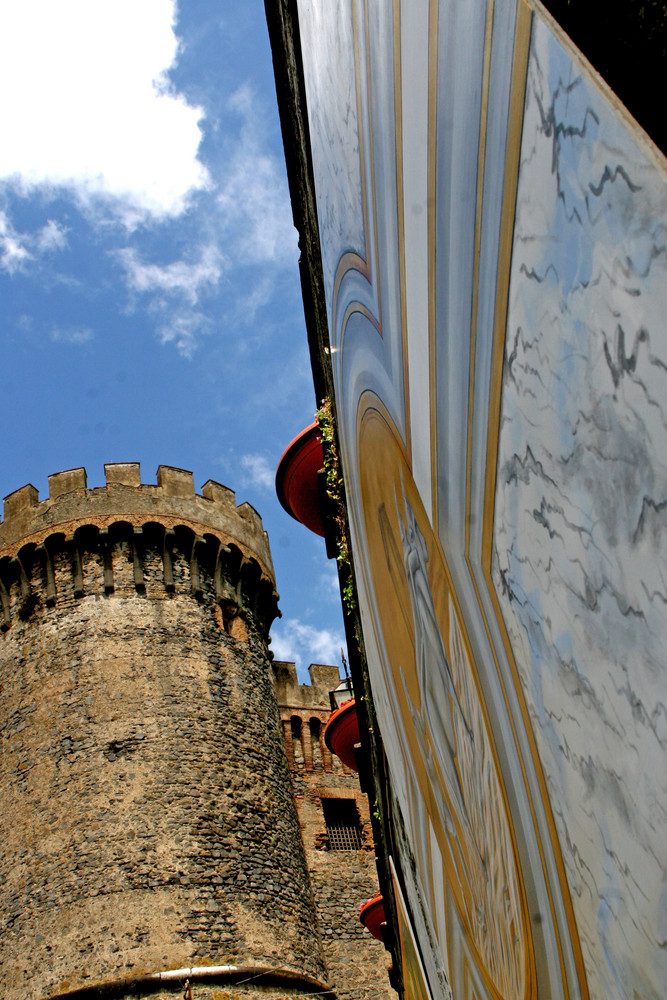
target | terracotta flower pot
[
  {"x": 342, "y": 733},
  {"x": 371, "y": 914},
  {"x": 296, "y": 478}
]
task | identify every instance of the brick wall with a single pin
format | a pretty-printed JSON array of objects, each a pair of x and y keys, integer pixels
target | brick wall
[{"x": 356, "y": 963}]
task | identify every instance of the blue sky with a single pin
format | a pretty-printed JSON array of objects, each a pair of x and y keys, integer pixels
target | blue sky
[{"x": 148, "y": 265}]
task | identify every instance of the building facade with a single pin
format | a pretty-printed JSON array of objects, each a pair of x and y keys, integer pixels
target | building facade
[
  {"x": 482, "y": 227},
  {"x": 336, "y": 832}
]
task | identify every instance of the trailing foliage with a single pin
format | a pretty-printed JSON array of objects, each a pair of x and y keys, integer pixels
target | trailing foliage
[{"x": 335, "y": 493}]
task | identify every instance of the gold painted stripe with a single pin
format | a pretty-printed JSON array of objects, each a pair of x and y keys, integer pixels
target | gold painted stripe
[
  {"x": 371, "y": 147},
  {"x": 360, "y": 127},
  {"x": 431, "y": 209},
  {"x": 483, "y": 124},
  {"x": 359, "y": 307},
  {"x": 351, "y": 259},
  {"x": 398, "y": 131},
  {"x": 513, "y": 152}
]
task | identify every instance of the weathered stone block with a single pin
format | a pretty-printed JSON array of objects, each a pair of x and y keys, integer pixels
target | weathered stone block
[
  {"x": 219, "y": 494},
  {"x": 66, "y": 482},
  {"x": 21, "y": 500},
  {"x": 175, "y": 482},
  {"x": 123, "y": 473}
]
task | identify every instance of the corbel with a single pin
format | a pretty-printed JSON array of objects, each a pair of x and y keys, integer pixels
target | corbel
[
  {"x": 48, "y": 572},
  {"x": 195, "y": 568},
  {"x": 137, "y": 558},
  {"x": 107, "y": 560},
  {"x": 167, "y": 559}
]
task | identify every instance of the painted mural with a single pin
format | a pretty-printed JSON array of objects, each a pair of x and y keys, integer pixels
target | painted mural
[
  {"x": 493, "y": 233},
  {"x": 441, "y": 713},
  {"x": 412, "y": 968},
  {"x": 579, "y": 537}
]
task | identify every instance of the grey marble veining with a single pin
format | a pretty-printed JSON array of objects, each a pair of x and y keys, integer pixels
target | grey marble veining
[
  {"x": 580, "y": 535},
  {"x": 328, "y": 36}
]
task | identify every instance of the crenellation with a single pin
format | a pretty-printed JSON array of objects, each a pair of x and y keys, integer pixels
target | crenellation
[
  {"x": 219, "y": 494},
  {"x": 248, "y": 512},
  {"x": 323, "y": 679},
  {"x": 172, "y": 502},
  {"x": 122, "y": 474},
  {"x": 175, "y": 482},
  {"x": 20, "y": 500},
  {"x": 61, "y": 483}
]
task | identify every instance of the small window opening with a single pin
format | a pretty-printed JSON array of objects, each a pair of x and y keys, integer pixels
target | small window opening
[
  {"x": 342, "y": 822},
  {"x": 297, "y": 745},
  {"x": 315, "y": 745}
]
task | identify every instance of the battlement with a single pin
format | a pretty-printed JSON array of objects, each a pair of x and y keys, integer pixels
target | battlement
[
  {"x": 130, "y": 537},
  {"x": 171, "y": 501},
  {"x": 290, "y": 693}
]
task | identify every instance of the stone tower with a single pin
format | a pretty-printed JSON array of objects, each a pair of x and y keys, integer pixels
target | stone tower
[
  {"x": 335, "y": 822},
  {"x": 147, "y": 833}
]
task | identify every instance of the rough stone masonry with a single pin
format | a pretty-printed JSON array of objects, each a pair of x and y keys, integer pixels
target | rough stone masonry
[{"x": 147, "y": 820}]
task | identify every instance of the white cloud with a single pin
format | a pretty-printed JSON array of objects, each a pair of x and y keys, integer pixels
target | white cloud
[
  {"x": 329, "y": 583},
  {"x": 13, "y": 251},
  {"x": 174, "y": 290},
  {"x": 72, "y": 334},
  {"x": 16, "y": 249},
  {"x": 298, "y": 642},
  {"x": 52, "y": 236},
  {"x": 88, "y": 105},
  {"x": 180, "y": 278},
  {"x": 183, "y": 328},
  {"x": 257, "y": 472},
  {"x": 254, "y": 196}
]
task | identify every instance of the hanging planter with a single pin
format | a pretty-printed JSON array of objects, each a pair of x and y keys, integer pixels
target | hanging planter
[
  {"x": 296, "y": 478},
  {"x": 371, "y": 914},
  {"x": 341, "y": 734}
]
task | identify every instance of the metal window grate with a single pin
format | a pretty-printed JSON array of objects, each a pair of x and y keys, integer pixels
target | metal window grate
[
  {"x": 342, "y": 823},
  {"x": 344, "y": 838}
]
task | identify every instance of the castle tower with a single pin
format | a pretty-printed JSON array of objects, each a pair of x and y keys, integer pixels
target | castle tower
[{"x": 148, "y": 831}]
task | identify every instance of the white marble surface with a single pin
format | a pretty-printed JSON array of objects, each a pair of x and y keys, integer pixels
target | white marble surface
[
  {"x": 581, "y": 508},
  {"x": 328, "y": 43},
  {"x": 582, "y": 489}
]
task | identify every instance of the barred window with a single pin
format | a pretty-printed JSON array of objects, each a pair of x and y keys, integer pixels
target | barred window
[{"x": 342, "y": 822}]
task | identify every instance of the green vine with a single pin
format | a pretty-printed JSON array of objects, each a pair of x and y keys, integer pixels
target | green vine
[
  {"x": 348, "y": 595},
  {"x": 334, "y": 481},
  {"x": 331, "y": 463}
]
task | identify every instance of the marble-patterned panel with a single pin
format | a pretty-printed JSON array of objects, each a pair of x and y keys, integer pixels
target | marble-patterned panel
[
  {"x": 580, "y": 535},
  {"x": 328, "y": 39}
]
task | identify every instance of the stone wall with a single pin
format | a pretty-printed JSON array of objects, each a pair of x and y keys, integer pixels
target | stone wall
[
  {"x": 356, "y": 963},
  {"x": 148, "y": 821}
]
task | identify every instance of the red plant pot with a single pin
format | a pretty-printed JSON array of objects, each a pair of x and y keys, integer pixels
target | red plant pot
[
  {"x": 341, "y": 734},
  {"x": 371, "y": 914},
  {"x": 296, "y": 478}
]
